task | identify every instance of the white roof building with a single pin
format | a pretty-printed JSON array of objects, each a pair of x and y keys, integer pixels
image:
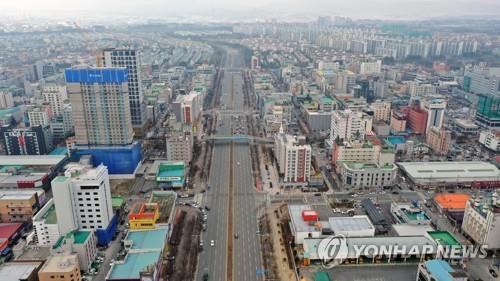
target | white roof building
[
  {"x": 465, "y": 172},
  {"x": 355, "y": 226}
]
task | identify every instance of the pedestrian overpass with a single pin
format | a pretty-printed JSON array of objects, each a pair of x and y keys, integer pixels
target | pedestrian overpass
[{"x": 238, "y": 138}]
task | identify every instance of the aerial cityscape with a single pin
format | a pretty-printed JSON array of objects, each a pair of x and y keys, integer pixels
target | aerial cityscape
[{"x": 262, "y": 141}]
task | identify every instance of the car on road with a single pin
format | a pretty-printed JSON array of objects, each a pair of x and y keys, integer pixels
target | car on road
[
  {"x": 236, "y": 236},
  {"x": 238, "y": 163},
  {"x": 212, "y": 243},
  {"x": 205, "y": 277}
]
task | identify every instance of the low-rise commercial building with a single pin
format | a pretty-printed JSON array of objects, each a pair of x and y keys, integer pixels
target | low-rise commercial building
[
  {"x": 170, "y": 174},
  {"x": 353, "y": 174},
  {"x": 20, "y": 270},
  {"x": 451, "y": 201},
  {"x": 466, "y": 173},
  {"x": 397, "y": 249},
  {"x": 464, "y": 127},
  {"x": 144, "y": 256},
  {"x": 18, "y": 207},
  {"x": 303, "y": 223},
  {"x": 490, "y": 139},
  {"x": 439, "y": 270},
  {"x": 355, "y": 226},
  {"x": 82, "y": 243},
  {"x": 9, "y": 234},
  {"x": 61, "y": 268},
  {"x": 409, "y": 213},
  {"x": 143, "y": 216},
  {"x": 482, "y": 220}
]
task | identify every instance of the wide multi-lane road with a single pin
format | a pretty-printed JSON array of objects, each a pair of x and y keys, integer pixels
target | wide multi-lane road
[{"x": 245, "y": 255}]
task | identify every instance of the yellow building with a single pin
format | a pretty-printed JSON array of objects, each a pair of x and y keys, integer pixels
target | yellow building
[
  {"x": 144, "y": 216},
  {"x": 60, "y": 268}
]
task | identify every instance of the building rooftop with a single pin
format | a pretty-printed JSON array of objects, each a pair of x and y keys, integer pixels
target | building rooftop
[
  {"x": 133, "y": 265},
  {"x": 81, "y": 236},
  {"x": 396, "y": 140},
  {"x": 430, "y": 172},
  {"x": 403, "y": 242},
  {"x": 151, "y": 239},
  {"x": 60, "y": 263},
  {"x": 171, "y": 169},
  {"x": 298, "y": 222},
  {"x": 443, "y": 238},
  {"x": 404, "y": 229},
  {"x": 18, "y": 270},
  {"x": 50, "y": 216},
  {"x": 355, "y": 223},
  {"x": 147, "y": 246},
  {"x": 59, "y": 151},
  {"x": 451, "y": 200},
  {"x": 441, "y": 270},
  {"x": 31, "y": 160},
  {"x": 117, "y": 201}
]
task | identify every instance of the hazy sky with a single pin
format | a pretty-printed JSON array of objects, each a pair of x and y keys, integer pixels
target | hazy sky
[{"x": 385, "y": 9}]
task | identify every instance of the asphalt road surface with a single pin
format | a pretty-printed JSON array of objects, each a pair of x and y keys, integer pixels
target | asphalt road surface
[{"x": 246, "y": 201}]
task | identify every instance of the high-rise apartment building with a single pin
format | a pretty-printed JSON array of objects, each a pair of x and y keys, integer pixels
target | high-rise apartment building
[
  {"x": 294, "y": 158},
  {"x": 38, "y": 117},
  {"x": 55, "y": 95},
  {"x": 187, "y": 108},
  {"x": 435, "y": 112},
  {"x": 180, "y": 146},
  {"x": 370, "y": 68},
  {"x": 129, "y": 59},
  {"x": 82, "y": 200},
  {"x": 36, "y": 140},
  {"x": 488, "y": 111},
  {"x": 100, "y": 106},
  {"x": 381, "y": 110},
  {"x": 346, "y": 81},
  {"x": 483, "y": 81},
  {"x": 347, "y": 125},
  {"x": 6, "y": 100},
  {"x": 439, "y": 139}
]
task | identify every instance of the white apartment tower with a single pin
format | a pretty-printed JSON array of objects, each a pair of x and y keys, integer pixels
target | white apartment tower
[
  {"x": 82, "y": 198},
  {"x": 294, "y": 158},
  {"x": 369, "y": 68},
  {"x": 55, "y": 95},
  {"x": 130, "y": 59},
  {"x": 347, "y": 125},
  {"x": 38, "y": 117}
]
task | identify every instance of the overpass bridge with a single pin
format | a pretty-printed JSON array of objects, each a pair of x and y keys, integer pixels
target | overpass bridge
[
  {"x": 238, "y": 138},
  {"x": 230, "y": 112}
]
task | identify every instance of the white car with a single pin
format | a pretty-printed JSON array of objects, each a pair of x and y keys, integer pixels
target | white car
[
  {"x": 238, "y": 163},
  {"x": 212, "y": 243}
]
